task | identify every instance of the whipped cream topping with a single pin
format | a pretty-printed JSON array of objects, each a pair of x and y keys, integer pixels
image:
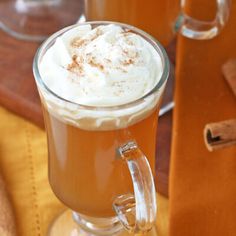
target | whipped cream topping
[
  {"x": 101, "y": 67},
  {"x": 104, "y": 66}
]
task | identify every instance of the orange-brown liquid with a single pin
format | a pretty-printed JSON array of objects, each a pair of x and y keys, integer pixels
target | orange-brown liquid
[
  {"x": 156, "y": 17},
  {"x": 84, "y": 171}
]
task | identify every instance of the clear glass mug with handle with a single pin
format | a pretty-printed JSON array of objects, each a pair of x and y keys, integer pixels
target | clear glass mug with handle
[
  {"x": 162, "y": 19},
  {"x": 96, "y": 166}
]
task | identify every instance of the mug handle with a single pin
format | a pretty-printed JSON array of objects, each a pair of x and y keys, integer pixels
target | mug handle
[
  {"x": 137, "y": 212},
  {"x": 197, "y": 29}
]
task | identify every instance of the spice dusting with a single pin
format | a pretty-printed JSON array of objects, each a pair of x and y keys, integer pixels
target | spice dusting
[{"x": 75, "y": 67}]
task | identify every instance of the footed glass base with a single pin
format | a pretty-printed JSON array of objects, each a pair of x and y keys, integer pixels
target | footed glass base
[{"x": 73, "y": 224}]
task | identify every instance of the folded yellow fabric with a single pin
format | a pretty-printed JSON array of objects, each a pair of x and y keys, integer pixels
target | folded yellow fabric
[
  {"x": 7, "y": 218},
  {"x": 23, "y": 161}
]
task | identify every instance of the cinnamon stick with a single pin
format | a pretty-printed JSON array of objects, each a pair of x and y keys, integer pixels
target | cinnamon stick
[
  {"x": 7, "y": 221},
  {"x": 220, "y": 134},
  {"x": 229, "y": 72}
]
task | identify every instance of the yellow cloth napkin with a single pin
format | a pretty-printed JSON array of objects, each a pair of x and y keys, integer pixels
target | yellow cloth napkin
[{"x": 23, "y": 162}]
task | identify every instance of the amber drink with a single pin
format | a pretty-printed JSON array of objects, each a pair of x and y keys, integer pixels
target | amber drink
[
  {"x": 157, "y": 17},
  {"x": 100, "y": 87}
]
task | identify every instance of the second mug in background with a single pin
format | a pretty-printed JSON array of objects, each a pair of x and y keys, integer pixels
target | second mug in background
[{"x": 162, "y": 19}]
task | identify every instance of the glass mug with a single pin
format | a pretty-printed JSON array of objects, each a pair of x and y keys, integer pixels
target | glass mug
[
  {"x": 99, "y": 171},
  {"x": 160, "y": 18}
]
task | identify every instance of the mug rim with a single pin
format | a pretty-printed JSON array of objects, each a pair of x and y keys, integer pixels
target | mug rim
[{"x": 51, "y": 40}]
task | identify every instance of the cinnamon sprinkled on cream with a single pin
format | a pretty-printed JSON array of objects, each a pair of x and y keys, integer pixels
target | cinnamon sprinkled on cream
[
  {"x": 77, "y": 42},
  {"x": 104, "y": 66},
  {"x": 94, "y": 64},
  {"x": 75, "y": 66}
]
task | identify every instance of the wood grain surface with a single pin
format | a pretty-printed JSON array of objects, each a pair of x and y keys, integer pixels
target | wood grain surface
[{"x": 17, "y": 87}]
